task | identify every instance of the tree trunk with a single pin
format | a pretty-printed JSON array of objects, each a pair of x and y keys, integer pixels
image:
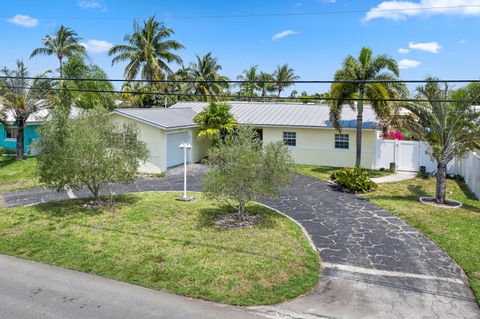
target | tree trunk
[
  {"x": 441, "y": 183},
  {"x": 60, "y": 59},
  {"x": 241, "y": 211},
  {"x": 20, "y": 139},
  {"x": 358, "y": 158}
]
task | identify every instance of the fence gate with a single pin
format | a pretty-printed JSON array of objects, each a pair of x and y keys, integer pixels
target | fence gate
[{"x": 408, "y": 156}]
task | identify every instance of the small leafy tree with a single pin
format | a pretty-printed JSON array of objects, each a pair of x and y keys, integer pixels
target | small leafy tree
[
  {"x": 242, "y": 170},
  {"x": 450, "y": 128},
  {"x": 89, "y": 151},
  {"x": 215, "y": 121}
]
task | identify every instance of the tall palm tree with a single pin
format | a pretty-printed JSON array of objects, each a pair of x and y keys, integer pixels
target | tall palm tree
[
  {"x": 64, "y": 43},
  {"x": 451, "y": 129},
  {"x": 284, "y": 76},
  {"x": 203, "y": 72},
  {"x": 251, "y": 85},
  {"x": 148, "y": 51},
  {"x": 265, "y": 83},
  {"x": 20, "y": 98},
  {"x": 366, "y": 68}
]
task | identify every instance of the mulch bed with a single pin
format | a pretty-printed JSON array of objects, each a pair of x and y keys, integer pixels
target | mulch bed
[
  {"x": 94, "y": 204},
  {"x": 230, "y": 220}
]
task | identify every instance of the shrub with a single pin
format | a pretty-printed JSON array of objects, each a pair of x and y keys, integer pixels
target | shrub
[
  {"x": 242, "y": 170},
  {"x": 355, "y": 180}
]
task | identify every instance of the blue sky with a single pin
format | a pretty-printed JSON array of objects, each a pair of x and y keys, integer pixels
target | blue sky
[{"x": 442, "y": 42}]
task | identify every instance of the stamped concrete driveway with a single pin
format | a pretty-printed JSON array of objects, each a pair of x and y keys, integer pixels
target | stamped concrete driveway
[{"x": 374, "y": 264}]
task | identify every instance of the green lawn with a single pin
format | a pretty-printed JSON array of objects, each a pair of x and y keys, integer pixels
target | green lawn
[
  {"x": 457, "y": 231},
  {"x": 16, "y": 175},
  {"x": 154, "y": 241},
  {"x": 324, "y": 172}
]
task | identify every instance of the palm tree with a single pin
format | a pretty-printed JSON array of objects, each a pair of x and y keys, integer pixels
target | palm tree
[
  {"x": 208, "y": 82},
  {"x": 148, "y": 51},
  {"x": 215, "y": 121},
  {"x": 64, "y": 43},
  {"x": 365, "y": 68},
  {"x": 451, "y": 129},
  {"x": 21, "y": 97},
  {"x": 251, "y": 85},
  {"x": 284, "y": 76},
  {"x": 265, "y": 83}
]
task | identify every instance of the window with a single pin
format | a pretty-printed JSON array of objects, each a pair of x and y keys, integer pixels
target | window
[
  {"x": 11, "y": 133},
  {"x": 341, "y": 141},
  {"x": 290, "y": 138}
]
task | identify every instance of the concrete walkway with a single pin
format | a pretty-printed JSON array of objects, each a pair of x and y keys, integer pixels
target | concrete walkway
[
  {"x": 397, "y": 177},
  {"x": 374, "y": 264}
]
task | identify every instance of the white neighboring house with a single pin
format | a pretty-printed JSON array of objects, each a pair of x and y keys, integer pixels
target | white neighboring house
[{"x": 305, "y": 128}]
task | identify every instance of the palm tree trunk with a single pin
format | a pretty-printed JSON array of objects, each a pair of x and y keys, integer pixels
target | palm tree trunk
[
  {"x": 358, "y": 157},
  {"x": 441, "y": 183},
  {"x": 20, "y": 139},
  {"x": 61, "y": 69}
]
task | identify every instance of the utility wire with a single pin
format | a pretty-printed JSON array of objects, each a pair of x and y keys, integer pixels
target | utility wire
[
  {"x": 241, "y": 97},
  {"x": 237, "y": 81},
  {"x": 279, "y": 14}
]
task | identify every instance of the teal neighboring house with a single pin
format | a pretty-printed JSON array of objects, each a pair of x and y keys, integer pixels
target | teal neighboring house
[
  {"x": 9, "y": 132},
  {"x": 8, "y": 136}
]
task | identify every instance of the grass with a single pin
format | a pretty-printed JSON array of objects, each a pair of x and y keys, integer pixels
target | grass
[
  {"x": 154, "y": 241},
  {"x": 15, "y": 175},
  {"x": 457, "y": 231},
  {"x": 324, "y": 172}
]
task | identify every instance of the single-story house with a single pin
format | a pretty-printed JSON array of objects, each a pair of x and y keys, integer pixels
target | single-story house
[
  {"x": 9, "y": 132},
  {"x": 305, "y": 128}
]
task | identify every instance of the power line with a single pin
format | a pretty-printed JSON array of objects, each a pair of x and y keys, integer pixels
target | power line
[
  {"x": 238, "y": 81},
  {"x": 241, "y": 97},
  {"x": 277, "y": 14}
]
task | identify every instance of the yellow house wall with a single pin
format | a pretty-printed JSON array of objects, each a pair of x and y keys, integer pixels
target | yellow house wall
[
  {"x": 156, "y": 143},
  {"x": 316, "y": 146},
  {"x": 199, "y": 146}
]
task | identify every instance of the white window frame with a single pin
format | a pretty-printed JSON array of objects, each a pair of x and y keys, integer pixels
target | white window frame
[
  {"x": 341, "y": 138},
  {"x": 291, "y": 137},
  {"x": 11, "y": 129}
]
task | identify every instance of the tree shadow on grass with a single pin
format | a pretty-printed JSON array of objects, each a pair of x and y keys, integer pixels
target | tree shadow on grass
[
  {"x": 466, "y": 191},
  {"x": 7, "y": 161},
  {"x": 207, "y": 216},
  {"x": 75, "y": 206}
]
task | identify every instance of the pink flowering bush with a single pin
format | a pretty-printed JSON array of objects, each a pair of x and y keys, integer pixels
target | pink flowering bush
[{"x": 397, "y": 135}]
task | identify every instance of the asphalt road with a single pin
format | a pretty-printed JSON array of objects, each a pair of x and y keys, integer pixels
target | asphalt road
[{"x": 32, "y": 290}]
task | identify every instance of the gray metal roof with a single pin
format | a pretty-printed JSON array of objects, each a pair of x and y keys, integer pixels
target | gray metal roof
[
  {"x": 164, "y": 118},
  {"x": 287, "y": 114}
]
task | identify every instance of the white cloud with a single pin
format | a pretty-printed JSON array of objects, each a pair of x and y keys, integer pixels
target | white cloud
[
  {"x": 97, "y": 46},
  {"x": 283, "y": 34},
  {"x": 401, "y": 10},
  {"x": 462, "y": 41},
  {"x": 24, "y": 21},
  {"x": 432, "y": 47},
  {"x": 408, "y": 64},
  {"x": 92, "y": 4},
  {"x": 403, "y": 51}
]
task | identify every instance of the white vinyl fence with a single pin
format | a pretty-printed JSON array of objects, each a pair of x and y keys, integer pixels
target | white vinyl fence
[
  {"x": 410, "y": 155},
  {"x": 407, "y": 155},
  {"x": 469, "y": 169}
]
